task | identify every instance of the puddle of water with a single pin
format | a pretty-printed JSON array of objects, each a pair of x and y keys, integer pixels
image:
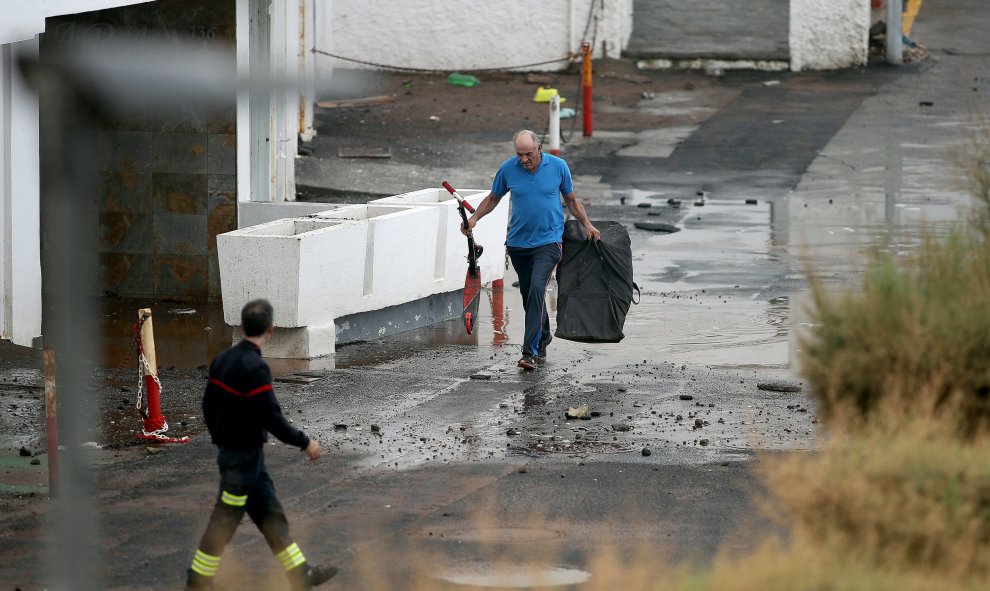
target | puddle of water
[
  {"x": 521, "y": 577},
  {"x": 187, "y": 335}
]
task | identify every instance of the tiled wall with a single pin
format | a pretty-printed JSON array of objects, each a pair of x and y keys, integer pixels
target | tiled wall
[{"x": 166, "y": 180}]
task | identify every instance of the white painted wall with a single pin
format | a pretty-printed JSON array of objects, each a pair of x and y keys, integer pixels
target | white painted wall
[
  {"x": 456, "y": 35},
  {"x": 829, "y": 34},
  {"x": 20, "y": 198}
]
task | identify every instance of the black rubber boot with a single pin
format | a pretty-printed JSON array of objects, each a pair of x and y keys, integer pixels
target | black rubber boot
[{"x": 305, "y": 577}]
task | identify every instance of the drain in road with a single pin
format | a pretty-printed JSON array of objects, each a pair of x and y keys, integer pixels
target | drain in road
[{"x": 513, "y": 577}]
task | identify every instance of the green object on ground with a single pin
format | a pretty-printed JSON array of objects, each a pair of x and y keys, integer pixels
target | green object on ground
[{"x": 463, "y": 80}]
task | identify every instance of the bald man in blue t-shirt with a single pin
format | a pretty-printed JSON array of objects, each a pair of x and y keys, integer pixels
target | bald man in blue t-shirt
[{"x": 536, "y": 229}]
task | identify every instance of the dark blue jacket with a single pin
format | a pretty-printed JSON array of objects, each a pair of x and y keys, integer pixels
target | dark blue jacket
[{"x": 239, "y": 405}]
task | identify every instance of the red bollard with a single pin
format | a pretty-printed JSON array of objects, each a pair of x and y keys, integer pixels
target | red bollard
[
  {"x": 155, "y": 426},
  {"x": 586, "y": 88},
  {"x": 498, "y": 313}
]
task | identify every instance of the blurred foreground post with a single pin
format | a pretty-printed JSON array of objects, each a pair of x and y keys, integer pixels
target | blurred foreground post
[
  {"x": 895, "y": 47},
  {"x": 51, "y": 421}
]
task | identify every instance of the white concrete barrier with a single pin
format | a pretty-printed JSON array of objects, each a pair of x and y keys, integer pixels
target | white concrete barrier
[
  {"x": 451, "y": 261},
  {"x": 352, "y": 259},
  {"x": 303, "y": 266},
  {"x": 399, "y": 262}
]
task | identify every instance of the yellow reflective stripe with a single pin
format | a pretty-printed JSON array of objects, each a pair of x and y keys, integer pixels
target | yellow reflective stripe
[
  {"x": 205, "y": 564},
  {"x": 291, "y": 557},
  {"x": 233, "y": 500},
  {"x": 200, "y": 570},
  {"x": 207, "y": 559}
]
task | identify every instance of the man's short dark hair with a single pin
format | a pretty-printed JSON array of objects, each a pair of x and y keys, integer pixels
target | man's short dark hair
[{"x": 256, "y": 317}]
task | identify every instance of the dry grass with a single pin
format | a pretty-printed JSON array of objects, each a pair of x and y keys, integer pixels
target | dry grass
[{"x": 917, "y": 325}]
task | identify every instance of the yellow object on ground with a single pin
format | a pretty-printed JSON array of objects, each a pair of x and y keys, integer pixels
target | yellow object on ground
[{"x": 543, "y": 95}]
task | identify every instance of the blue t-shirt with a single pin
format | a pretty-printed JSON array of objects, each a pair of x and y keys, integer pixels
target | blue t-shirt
[{"x": 537, "y": 216}]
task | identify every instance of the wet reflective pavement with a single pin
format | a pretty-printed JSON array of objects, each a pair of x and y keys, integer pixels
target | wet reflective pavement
[{"x": 447, "y": 462}]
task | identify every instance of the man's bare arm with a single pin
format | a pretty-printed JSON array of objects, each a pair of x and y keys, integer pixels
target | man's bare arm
[
  {"x": 484, "y": 208},
  {"x": 577, "y": 210}
]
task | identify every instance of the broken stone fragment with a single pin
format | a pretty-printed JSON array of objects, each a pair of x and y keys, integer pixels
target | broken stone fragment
[
  {"x": 577, "y": 413},
  {"x": 621, "y": 427},
  {"x": 779, "y": 386},
  {"x": 686, "y": 397},
  {"x": 25, "y": 451},
  {"x": 646, "y": 452},
  {"x": 375, "y": 428},
  {"x": 340, "y": 427}
]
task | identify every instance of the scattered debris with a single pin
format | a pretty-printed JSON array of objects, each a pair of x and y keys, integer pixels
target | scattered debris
[
  {"x": 366, "y": 151},
  {"x": 35, "y": 462},
  {"x": 657, "y": 227},
  {"x": 543, "y": 95},
  {"x": 751, "y": 202},
  {"x": 703, "y": 442},
  {"x": 182, "y": 311},
  {"x": 621, "y": 427},
  {"x": 644, "y": 205},
  {"x": 465, "y": 80},
  {"x": 25, "y": 452},
  {"x": 646, "y": 452},
  {"x": 481, "y": 376},
  {"x": 541, "y": 79},
  {"x": 577, "y": 413},
  {"x": 339, "y": 427},
  {"x": 154, "y": 450},
  {"x": 686, "y": 397},
  {"x": 779, "y": 386},
  {"x": 771, "y": 83},
  {"x": 297, "y": 379},
  {"x": 357, "y": 102},
  {"x": 513, "y": 431}
]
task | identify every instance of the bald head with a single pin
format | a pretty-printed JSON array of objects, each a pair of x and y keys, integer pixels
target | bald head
[{"x": 528, "y": 149}]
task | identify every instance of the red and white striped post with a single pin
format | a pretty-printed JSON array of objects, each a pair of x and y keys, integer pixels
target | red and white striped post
[
  {"x": 154, "y": 426},
  {"x": 553, "y": 133}
]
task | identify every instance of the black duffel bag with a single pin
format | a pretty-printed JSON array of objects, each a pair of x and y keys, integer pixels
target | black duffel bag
[{"x": 594, "y": 284}]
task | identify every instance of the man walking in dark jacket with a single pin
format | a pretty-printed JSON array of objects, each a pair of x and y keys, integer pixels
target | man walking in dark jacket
[{"x": 240, "y": 409}]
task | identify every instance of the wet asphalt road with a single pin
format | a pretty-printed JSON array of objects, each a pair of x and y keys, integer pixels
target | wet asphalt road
[{"x": 474, "y": 460}]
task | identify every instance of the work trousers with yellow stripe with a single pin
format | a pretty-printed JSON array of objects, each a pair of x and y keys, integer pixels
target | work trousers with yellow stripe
[{"x": 245, "y": 486}]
